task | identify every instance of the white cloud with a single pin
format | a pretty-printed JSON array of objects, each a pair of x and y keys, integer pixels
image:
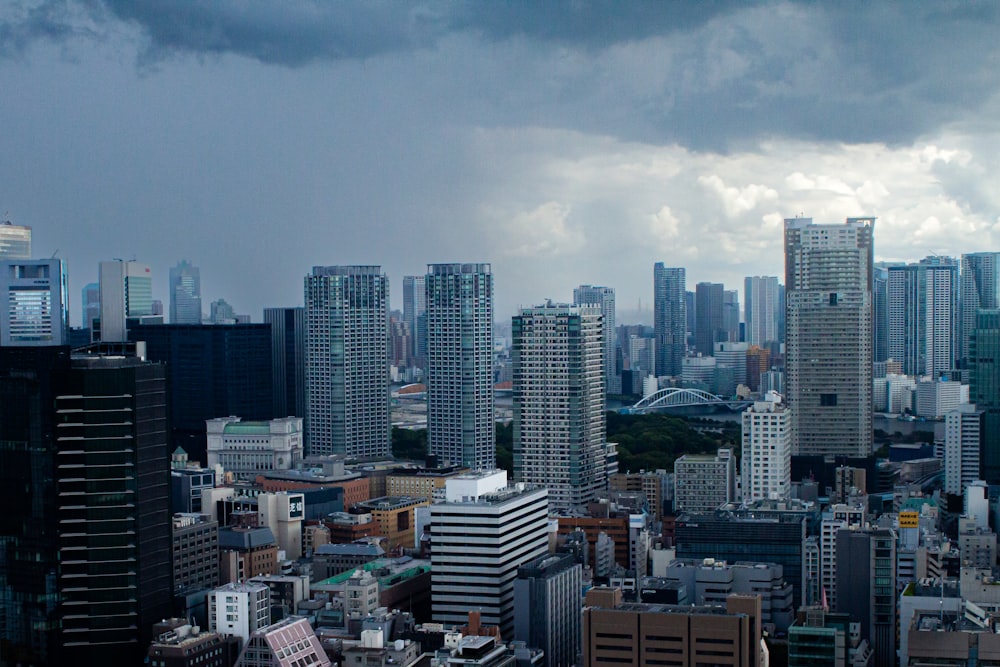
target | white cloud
[{"x": 542, "y": 232}]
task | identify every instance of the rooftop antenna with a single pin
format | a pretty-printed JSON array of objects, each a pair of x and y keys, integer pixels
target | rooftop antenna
[{"x": 55, "y": 253}]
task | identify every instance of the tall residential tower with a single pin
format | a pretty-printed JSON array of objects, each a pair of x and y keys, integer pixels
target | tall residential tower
[
  {"x": 761, "y": 309},
  {"x": 604, "y": 297},
  {"x": 669, "y": 318},
  {"x": 828, "y": 282},
  {"x": 347, "y": 360}
]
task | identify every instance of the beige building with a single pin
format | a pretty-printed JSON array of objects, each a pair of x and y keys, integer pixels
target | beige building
[{"x": 394, "y": 515}]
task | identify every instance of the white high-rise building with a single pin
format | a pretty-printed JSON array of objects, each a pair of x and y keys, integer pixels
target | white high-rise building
[
  {"x": 460, "y": 425},
  {"x": 559, "y": 421},
  {"x": 761, "y": 309},
  {"x": 836, "y": 517},
  {"x": 767, "y": 450},
  {"x": 980, "y": 288},
  {"x": 15, "y": 241},
  {"x": 347, "y": 360},
  {"x": 185, "y": 294},
  {"x": 415, "y": 314},
  {"x": 239, "y": 609},
  {"x": 35, "y": 298},
  {"x": 604, "y": 297},
  {"x": 963, "y": 428},
  {"x": 702, "y": 482},
  {"x": 480, "y": 536},
  {"x": 126, "y": 292},
  {"x": 828, "y": 353},
  {"x": 922, "y": 305}
]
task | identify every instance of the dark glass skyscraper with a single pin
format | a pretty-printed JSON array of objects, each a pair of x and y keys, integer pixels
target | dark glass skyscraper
[
  {"x": 669, "y": 318},
  {"x": 709, "y": 326},
  {"x": 288, "y": 360},
  {"x": 984, "y": 389}
]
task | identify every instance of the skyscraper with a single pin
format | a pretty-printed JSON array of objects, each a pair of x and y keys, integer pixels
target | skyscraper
[
  {"x": 415, "y": 315},
  {"x": 347, "y": 360},
  {"x": 91, "y": 294},
  {"x": 126, "y": 292},
  {"x": 35, "y": 298},
  {"x": 547, "y": 607},
  {"x": 15, "y": 241},
  {"x": 559, "y": 422},
  {"x": 288, "y": 360},
  {"x": 760, "y": 299},
  {"x": 922, "y": 310},
  {"x": 980, "y": 288},
  {"x": 984, "y": 389},
  {"x": 669, "y": 319},
  {"x": 828, "y": 278},
  {"x": 185, "y": 294},
  {"x": 460, "y": 425},
  {"x": 880, "y": 308},
  {"x": 605, "y": 298},
  {"x": 731, "y": 315},
  {"x": 708, "y": 324}
]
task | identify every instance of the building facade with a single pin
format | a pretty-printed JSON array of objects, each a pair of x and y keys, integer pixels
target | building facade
[
  {"x": 15, "y": 241},
  {"x": 923, "y": 315},
  {"x": 709, "y": 327},
  {"x": 126, "y": 292},
  {"x": 547, "y": 607},
  {"x": 480, "y": 536},
  {"x": 288, "y": 360},
  {"x": 347, "y": 360},
  {"x": 980, "y": 288},
  {"x": 605, "y": 298},
  {"x": 248, "y": 448},
  {"x": 460, "y": 425},
  {"x": 415, "y": 315},
  {"x": 984, "y": 389},
  {"x": 669, "y": 318},
  {"x": 703, "y": 482},
  {"x": 760, "y": 303},
  {"x": 828, "y": 362},
  {"x": 559, "y": 420},
  {"x": 185, "y": 293},
  {"x": 963, "y": 429},
  {"x": 767, "y": 451},
  {"x": 34, "y": 302}
]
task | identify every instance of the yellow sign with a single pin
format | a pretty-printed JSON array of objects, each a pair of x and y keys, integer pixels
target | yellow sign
[{"x": 909, "y": 519}]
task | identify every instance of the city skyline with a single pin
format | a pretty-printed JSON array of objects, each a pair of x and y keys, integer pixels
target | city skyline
[{"x": 550, "y": 149}]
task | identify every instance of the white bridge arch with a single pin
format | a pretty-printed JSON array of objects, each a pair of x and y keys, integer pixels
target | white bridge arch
[{"x": 679, "y": 397}]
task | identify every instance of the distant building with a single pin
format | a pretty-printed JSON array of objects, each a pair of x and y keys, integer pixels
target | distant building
[
  {"x": 34, "y": 302},
  {"x": 709, "y": 328},
  {"x": 347, "y": 364},
  {"x": 248, "y": 448},
  {"x": 761, "y": 308},
  {"x": 670, "y": 318},
  {"x": 177, "y": 644},
  {"x": 126, "y": 294},
  {"x": 767, "y": 450},
  {"x": 288, "y": 360},
  {"x": 195, "y": 552},
  {"x": 984, "y": 389},
  {"x": 91, "y": 295},
  {"x": 395, "y": 518},
  {"x": 923, "y": 315},
  {"x": 415, "y": 316},
  {"x": 461, "y": 429},
  {"x": 185, "y": 293},
  {"x": 547, "y": 607},
  {"x": 604, "y": 297},
  {"x": 936, "y": 398},
  {"x": 979, "y": 289},
  {"x": 963, "y": 428},
  {"x": 703, "y": 482},
  {"x": 246, "y": 552},
  {"x": 15, "y": 241}
]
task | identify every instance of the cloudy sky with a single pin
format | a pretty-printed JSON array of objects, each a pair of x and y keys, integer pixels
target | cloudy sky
[{"x": 565, "y": 142}]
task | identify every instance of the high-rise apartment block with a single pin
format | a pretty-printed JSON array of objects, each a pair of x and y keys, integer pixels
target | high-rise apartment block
[
  {"x": 126, "y": 293},
  {"x": 288, "y": 360},
  {"x": 34, "y": 302},
  {"x": 559, "y": 421},
  {"x": 347, "y": 360},
  {"x": 761, "y": 309},
  {"x": 866, "y": 586},
  {"x": 415, "y": 315},
  {"x": 709, "y": 328},
  {"x": 480, "y": 536},
  {"x": 460, "y": 423},
  {"x": 669, "y": 318},
  {"x": 963, "y": 429},
  {"x": 923, "y": 315},
  {"x": 731, "y": 315},
  {"x": 702, "y": 482},
  {"x": 767, "y": 450},
  {"x": 604, "y": 297},
  {"x": 828, "y": 278},
  {"x": 980, "y": 288},
  {"x": 15, "y": 241},
  {"x": 984, "y": 389},
  {"x": 185, "y": 294}
]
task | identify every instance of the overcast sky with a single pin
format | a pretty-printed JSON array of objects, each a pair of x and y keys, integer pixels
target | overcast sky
[{"x": 565, "y": 142}]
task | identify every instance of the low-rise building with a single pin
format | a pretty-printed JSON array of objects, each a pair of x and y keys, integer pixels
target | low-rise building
[
  {"x": 177, "y": 644},
  {"x": 239, "y": 609},
  {"x": 394, "y": 515},
  {"x": 196, "y": 552},
  {"x": 246, "y": 552},
  {"x": 248, "y": 448},
  {"x": 289, "y": 642}
]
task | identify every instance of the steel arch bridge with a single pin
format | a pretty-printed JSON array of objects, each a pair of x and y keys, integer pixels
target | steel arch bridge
[{"x": 678, "y": 397}]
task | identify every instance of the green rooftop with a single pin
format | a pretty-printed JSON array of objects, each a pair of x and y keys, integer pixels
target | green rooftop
[
  {"x": 388, "y": 580},
  {"x": 247, "y": 428}
]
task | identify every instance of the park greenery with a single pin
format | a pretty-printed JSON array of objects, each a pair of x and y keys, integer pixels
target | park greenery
[{"x": 645, "y": 442}]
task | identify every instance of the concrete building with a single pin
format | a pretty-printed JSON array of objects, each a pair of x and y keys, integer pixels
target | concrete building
[
  {"x": 415, "y": 316},
  {"x": 604, "y": 297},
  {"x": 395, "y": 516},
  {"x": 288, "y": 360},
  {"x": 287, "y": 591},
  {"x": 347, "y": 360},
  {"x": 330, "y": 560},
  {"x": 480, "y": 536},
  {"x": 249, "y": 448},
  {"x": 246, "y": 552},
  {"x": 732, "y": 355},
  {"x": 936, "y": 398},
  {"x": 559, "y": 421},
  {"x": 460, "y": 425},
  {"x": 195, "y": 552},
  {"x": 642, "y": 634},
  {"x": 284, "y": 513},
  {"x": 34, "y": 302},
  {"x": 654, "y": 484},
  {"x": 177, "y": 643},
  {"x": 963, "y": 428},
  {"x": 703, "y": 482},
  {"x": 866, "y": 586},
  {"x": 288, "y": 643},
  {"x": 761, "y": 309},
  {"x": 15, "y": 241},
  {"x": 420, "y": 482},
  {"x": 239, "y": 609},
  {"x": 837, "y": 517},
  {"x": 893, "y": 393},
  {"x": 923, "y": 315},
  {"x": 547, "y": 607},
  {"x": 828, "y": 355},
  {"x": 767, "y": 450},
  {"x": 185, "y": 293},
  {"x": 698, "y": 373},
  {"x": 669, "y": 319},
  {"x": 126, "y": 293},
  {"x": 979, "y": 288}
]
